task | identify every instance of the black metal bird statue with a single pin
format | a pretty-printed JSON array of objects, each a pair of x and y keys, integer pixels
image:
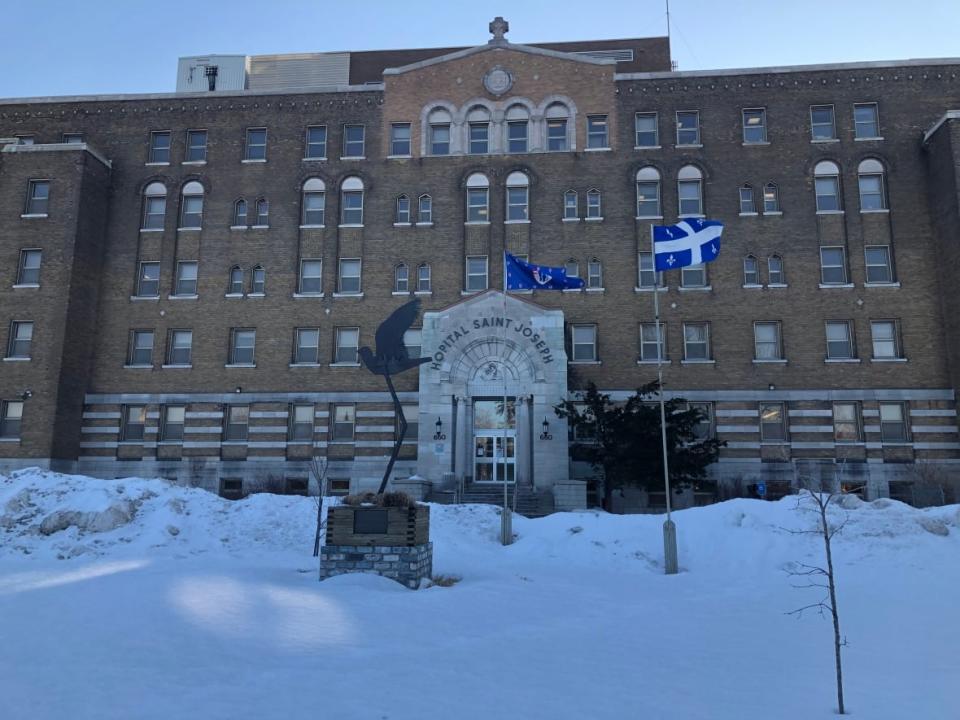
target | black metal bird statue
[{"x": 391, "y": 358}]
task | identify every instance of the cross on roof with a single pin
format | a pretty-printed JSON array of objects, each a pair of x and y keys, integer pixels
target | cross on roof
[{"x": 498, "y": 27}]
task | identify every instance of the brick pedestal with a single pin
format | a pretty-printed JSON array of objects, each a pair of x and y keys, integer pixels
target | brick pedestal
[{"x": 407, "y": 564}]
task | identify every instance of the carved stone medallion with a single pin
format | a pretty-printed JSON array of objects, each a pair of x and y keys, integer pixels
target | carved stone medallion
[{"x": 498, "y": 80}]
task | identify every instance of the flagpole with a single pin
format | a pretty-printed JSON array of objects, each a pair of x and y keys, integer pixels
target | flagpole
[
  {"x": 506, "y": 523},
  {"x": 669, "y": 529}
]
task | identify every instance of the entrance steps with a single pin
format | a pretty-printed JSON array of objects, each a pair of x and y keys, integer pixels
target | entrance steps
[{"x": 529, "y": 502}]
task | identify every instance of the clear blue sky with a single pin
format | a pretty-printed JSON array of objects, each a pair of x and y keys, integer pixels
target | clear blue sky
[{"x": 63, "y": 47}]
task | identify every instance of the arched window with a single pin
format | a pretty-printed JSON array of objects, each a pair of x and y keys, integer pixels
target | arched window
[
  {"x": 438, "y": 132},
  {"x": 775, "y": 275},
  {"x": 771, "y": 198},
  {"x": 425, "y": 209},
  {"x": 191, "y": 206},
  {"x": 594, "y": 211},
  {"x": 351, "y": 201},
  {"x": 401, "y": 278},
  {"x": 748, "y": 205},
  {"x": 423, "y": 278},
  {"x": 235, "y": 286},
  {"x": 594, "y": 274},
  {"x": 572, "y": 268},
  {"x": 648, "y": 193},
  {"x": 518, "y": 197},
  {"x": 154, "y": 206},
  {"x": 826, "y": 181},
  {"x": 239, "y": 213},
  {"x": 403, "y": 210},
  {"x": 870, "y": 177},
  {"x": 690, "y": 191},
  {"x": 263, "y": 213},
  {"x": 751, "y": 271},
  {"x": 478, "y": 198},
  {"x": 557, "y": 118},
  {"x": 571, "y": 205},
  {"x": 518, "y": 129},
  {"x": 313, "y": 202},
  {"x": 258, "y": 279},
  {"x": 478, "y": 130}
]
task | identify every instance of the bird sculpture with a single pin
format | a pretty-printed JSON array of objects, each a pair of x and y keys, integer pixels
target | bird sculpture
[{"x": 391, "y": 357}]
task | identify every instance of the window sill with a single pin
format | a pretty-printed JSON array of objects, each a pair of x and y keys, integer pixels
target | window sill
[
  {"x": 698, "y": 362},
  {"x": 240, "y": 365},
  {"x": 705, "y": 288},
  {"x": 16, "y": 359},
  {"x": 599, "y": 149},
  {"x": 654, "y": 362},
  {"x": 822, "y": 141},
  {"x": 425, "y": 224},
  {"x": 841, "y": 361},
  {"x": 403, "y": 224},
  {"x": 400, "y": 293},
  {"x": 399, "y": 157},
  {"x": 760, "y": 143},
  {"x": 691, "y": 215},
  {"x": 138, "y": 367},
  {"x": 866, "y": 285},
  {"x": 233, "y": 295},
  {"x": 156, "y": 164},
  {"x": 586, "y": 362},
  {"x": 144, "y": 298},
  {"x": 345, "y": 365},
  {"x": 233, "y": 443},
  {"x": 252, "y": 161},
  {"x": 353, "y": 157},
  {"x": 529, "y": 291},
  {"x": 572, "y": 290},
  {"x": 350, "y": 225},
  {"x": 152, "y": 230},
  {"x": 775, "y": 361},
  {"x": 648, "y": 147},
  {"x": 467, "y": 293},
  {"x": 9, "y": 440},
  {"x": 777, "y": 285},
  {"x": 259, "y": 227},
  {"x": 648, "y": 217},
  {"x": 176, "y": 367},
  {"x": 313, "y": 159},
  {"x": 749, "y": 214},
  {"x": 662, "y": 288},
  {"x": 595, "y": 290},
  {"x": 867, "y": 139},
  {"x": 594, "y": 219},
  {"x": 26, "y": 286},
  {"x": 831, "y": 212},
  {"x": 308, "y": 295},
  {"x": 888, "y": 360},
  {"x": 516, "y": 222},
  {"x": 189, "y": 229},
  {"x": 752, "y": 286},
  {"x": 423, "y": 293},
  {"x": 305, "y": 365},
  {"x": 169, "y": 443},
  {"x": 348, "y": 295},
  {"x": 30, "y": 216},
  {"x": 194, "y": 162},
  {"x": 182, "y": 297},
  {"x": 477, "y": 222},
  {"x": 256, "y": 295},
  {"x": 312, "y": 227},
  {"x": 688, "y": 145},
  {"x": 128, "y": 443},
  {"x": 835, "y": 286},
  {"x": 773, "y": 213},
  {"x": 876, "y": 211},
  {"x": 570, "y": 220}
]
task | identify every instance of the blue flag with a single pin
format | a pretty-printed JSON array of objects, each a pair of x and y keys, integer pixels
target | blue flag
[
  {"x": 527, "y": 276},
  {"x": 690, "y": 242}
]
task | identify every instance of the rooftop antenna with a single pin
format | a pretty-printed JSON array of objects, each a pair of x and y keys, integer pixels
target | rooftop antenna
[{"x": 673, "y": 63}]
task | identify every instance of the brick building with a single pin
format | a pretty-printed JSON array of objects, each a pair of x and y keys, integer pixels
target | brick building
[{"x": 185, "y": 278}]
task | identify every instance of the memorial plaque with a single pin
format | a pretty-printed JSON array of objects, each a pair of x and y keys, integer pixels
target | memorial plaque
[{"x": 370, "y": 521}]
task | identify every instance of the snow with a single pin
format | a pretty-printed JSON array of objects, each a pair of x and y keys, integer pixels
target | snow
[{"x": 139, "y": 599}]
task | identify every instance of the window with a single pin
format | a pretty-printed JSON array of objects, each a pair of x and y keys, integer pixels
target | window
[
  {"x": 423, "y": 278},
  {"x": 348, "y": 340},
  {"x": 411, "y": 413},
  {"x": 646, "y": 127},
  {"x": 833, "y": 266},
  {"x": 159, "y": 147},
  {"x": 755, "y": 126},
  {"x": 413, "y": 342},
  {"x": 594, "y": 275},
  {"x": 892, "y": 425},
  {"x": 556, "y": 134},
  {"x": 425, "y": 209},
  {"x": 21, "y": 337},
  {"x": 584, "y": 339},
  {"x": 307, "y": 350},
  {"x": 191, "y": 205},
  {"x": 240, "y": 213},
  {"x": 313, "y": 201},
  {"x": 263, "y": 212},
  {"x": 648, "y": 193},
  {"x": 235, "y": 286},
  {"x": 440, "y": 139},
  {"x": 775, "y": 270},
  {"x": 571, "y": 211},
  {"x": 879, "y": 268},
  {"x": 258, "y": 277},
  {"x": 401, "y": 278},
  {"x": 751, "y": 271},
  {"x": 349, "y": 278},
  {"x": 597, "y": 132},
  {"x": 703, "y": 429},
  {"x": 766, "y": 341},
  {"x": 154, "y": 206},
  {"x": 594, "y": 209},
  {"x": 839, "y": 340},
  {"x": 827, "y": 186},
  {"x": 400, "y": 139},
  {"x": 772, "y": 423},
  {"x": 180, "y": 347},
  {"x": 690, "y": 189},
  {"x": 648, "y": 278},
  {"x": 256, "y": 145},
  {"x": 173, "y": 421},
  {"x": 29, "y": 268},
  {"x": 134, "y": 420},
  {"x": 478, "y": 198},
  {"x": 518, "y": 197},
  {"x": 237, "y": 423},
  {"x": 866, "y": 121},
  {"x": 572, "y": 268},
  {"x": 886, "y": 344},
  {"x": 846, "y": 422},
  {"x": 822, "y": 126},
  {"x": 141, "y": 348},
  {"x": 694, "y": 276},
  {"x": 747, "y": 205},
  {"x": 651, "y": 342},
  {"x": 476, "y": 273},
  {"x": 301, "y": 423},
  {"x": 148, "y": 280},
  {"x": 344, "y": 420},
  {"x": 11, "y": 418},
  {"x": 771, "y": 198},
  {"x": 696, "y": 341},
  {"x": 196, "y": 146},
  {"x": 688, "y": 128},
  {"x": 351, "y": 201},
  {"x": 38, "y": 197},
  {"x": 403, "y": 210},
  {"x": 186, "y": 278},
  {"x": 518, "y": 122},
  {"x": 353, "y": 141},
  {"x": 316, "y": 144},
  {"x": 870, "y": 180},
  {"x": 311, "y": 277},
  {"x": 72, "y": 138},
  {"x": 242, "y": 342}
]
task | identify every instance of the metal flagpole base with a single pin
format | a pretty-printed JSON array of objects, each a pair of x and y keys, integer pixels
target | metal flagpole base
[
  {"x": 669, "y": 548},
  {"x": 506, "y": 527}
]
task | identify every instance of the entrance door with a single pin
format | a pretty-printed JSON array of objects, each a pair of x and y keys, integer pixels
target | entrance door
[{"x": 495, "y": 457}]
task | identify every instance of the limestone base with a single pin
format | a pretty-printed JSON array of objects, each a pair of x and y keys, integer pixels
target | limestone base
[{"x": 407, "y": 564}]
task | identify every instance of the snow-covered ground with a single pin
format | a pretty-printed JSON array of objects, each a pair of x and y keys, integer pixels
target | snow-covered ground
[{"x": 136, "y": 599}]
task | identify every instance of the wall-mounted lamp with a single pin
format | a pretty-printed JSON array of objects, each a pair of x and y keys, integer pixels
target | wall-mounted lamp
[
  {"x": 545, "y": 435},
  {"x": 771, "y": 387},
  {"x": 439, "y": 434},
  {"x": 238, "y": 390},
  {"x": 26, "y": 394}
]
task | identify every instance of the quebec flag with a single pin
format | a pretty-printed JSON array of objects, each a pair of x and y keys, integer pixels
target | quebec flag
[
  {"x": 690, "y": 242},
  {"x": 527, "y": 276}
]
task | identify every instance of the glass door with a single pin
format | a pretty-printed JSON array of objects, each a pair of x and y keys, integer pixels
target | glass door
[{"x": 495, "y": 457}]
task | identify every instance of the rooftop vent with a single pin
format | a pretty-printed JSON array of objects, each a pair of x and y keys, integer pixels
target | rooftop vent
[{"x": 624, "y": 55}]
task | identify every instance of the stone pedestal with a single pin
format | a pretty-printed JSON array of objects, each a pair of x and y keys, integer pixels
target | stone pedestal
[{"x": 407, "y": 564}]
